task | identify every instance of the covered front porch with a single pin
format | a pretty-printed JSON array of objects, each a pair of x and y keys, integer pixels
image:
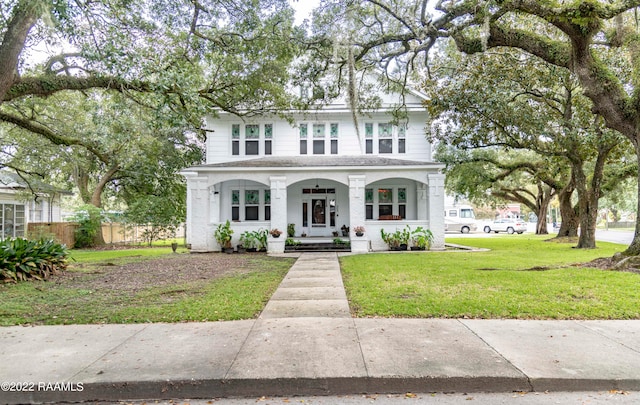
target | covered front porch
[{"x": 315, "y": 200}]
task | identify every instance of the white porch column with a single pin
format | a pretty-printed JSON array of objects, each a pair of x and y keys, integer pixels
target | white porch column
[
  {"x": 357, "y": 214},
  {"x": 214, "y": 203},
  {"x": 436, "y": 209},
  {"x": 198, "y": 213},
  {"x": 422, "y": 200},
  {"x": 278, "y": 213}
]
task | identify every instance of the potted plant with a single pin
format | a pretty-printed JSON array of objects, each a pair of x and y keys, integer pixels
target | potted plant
[
  {"x": 275, "y": 232},
  {"x": 261, "y": 236},
  {"x": 421, "y": 239},
  {"x": 345, "y": 230},
  {"x": 391, "y": 239},
  {"x": 359, "y": 230},
  {"x": 291, "y": 230},
  {"x": 399, "y": 240},
  {"x": 404, "y": 236},
  {"x": 223, "y": 236},
  {"x": 249, "y": 241}
]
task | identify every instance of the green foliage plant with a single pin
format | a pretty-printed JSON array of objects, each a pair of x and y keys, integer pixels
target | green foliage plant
[
  {"x": 254, "y": 240},
  {"x": 89, "y": 219},
  {"x": 23, "y": 260},
  {"x": 340, "y": 242},
  {"x": 261, "y": 235},
  {"x": 291, "y": 230},
  {"x": 223, "y": 235},
  {"x": 291, "y": 242},
  {"x": 421, "y": 238},
  {"x": 390, "y": 239},
  {"x": 396, "y": 239}
]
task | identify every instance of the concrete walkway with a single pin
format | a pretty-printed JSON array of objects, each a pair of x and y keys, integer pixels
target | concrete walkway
[{"x": 305, "y": 343}]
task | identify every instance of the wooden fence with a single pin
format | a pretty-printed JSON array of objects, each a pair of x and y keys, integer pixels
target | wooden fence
[
  {"x": 113, "y": 232},
  {"x": 61, "y": 232}
]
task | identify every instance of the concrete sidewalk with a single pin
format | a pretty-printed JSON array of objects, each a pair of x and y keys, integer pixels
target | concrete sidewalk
[{"x": 305, "y": 343}]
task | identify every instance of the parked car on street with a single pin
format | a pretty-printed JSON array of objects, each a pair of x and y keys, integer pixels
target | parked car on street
[{"x": 508, "y": 225}]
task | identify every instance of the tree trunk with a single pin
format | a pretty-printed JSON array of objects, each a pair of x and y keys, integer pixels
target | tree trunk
[
  {"x": 542, "y": 225},
  {"x": 588, "y": 215},
  {"x": 590, "y": 198},
  {"x": 96, "y": 197},
  {"x": 542, "y": 207},
  {"x": 568, "y": 213},
  {"x": 634, "y": 248},
  {"x": 24, "y": 17}
]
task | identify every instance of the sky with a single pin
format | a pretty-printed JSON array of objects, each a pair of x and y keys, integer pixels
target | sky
[{"x": 303, "y": 8}]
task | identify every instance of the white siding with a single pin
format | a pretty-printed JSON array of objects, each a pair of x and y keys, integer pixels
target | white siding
[{"x": 286, "y": 137}]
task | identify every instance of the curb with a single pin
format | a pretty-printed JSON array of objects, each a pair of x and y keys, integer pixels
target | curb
[
  {"x": 279, "y": 387},
  {"x": 202, "y": 389}
]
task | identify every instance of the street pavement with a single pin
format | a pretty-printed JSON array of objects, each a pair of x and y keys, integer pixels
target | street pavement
[
  {"x": 613, "y": 236},
  {"x": 306, "y": 343},
  {"x": 622, "y": 237}
]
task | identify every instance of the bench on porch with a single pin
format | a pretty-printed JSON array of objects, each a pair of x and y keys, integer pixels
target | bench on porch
[{"x": 389, "y": 218}]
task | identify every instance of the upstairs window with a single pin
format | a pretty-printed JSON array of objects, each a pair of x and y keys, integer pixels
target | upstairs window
[
  {"x": 252, "y": 140},
  {"x": 247, "y": 139},
  {"x": 385, "y": 138},
  {"x": 318, "y": 139},
  {"x": 368, "y": 136},
  {"x": 402, "y": 136},
  {"x": 268, "y": 136},
  {"x": 303, "y": 139},
  {"x": 235, "y": 139},
  {"x": 334, "y": 138},
  {"x": 324, "y": 138}
]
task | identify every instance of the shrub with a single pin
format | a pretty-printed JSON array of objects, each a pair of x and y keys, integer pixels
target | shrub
[
  {"x": 22, "y": 259},
  {"x": 89, "y": 219}
]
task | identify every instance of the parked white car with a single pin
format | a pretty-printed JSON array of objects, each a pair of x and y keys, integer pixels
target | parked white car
[{"x": 508, "y": 225}]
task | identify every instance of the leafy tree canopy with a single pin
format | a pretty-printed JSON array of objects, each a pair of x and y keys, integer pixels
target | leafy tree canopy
[{"x": 117, "y": 103}]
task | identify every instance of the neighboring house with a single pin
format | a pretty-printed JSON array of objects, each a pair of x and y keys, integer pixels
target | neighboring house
[
  {"x": 19, "y": 205},
  {"x": 319, "y": 173}
]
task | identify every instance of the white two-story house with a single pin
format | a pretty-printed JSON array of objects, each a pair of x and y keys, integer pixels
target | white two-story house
[{"x": 321, "y": 171}]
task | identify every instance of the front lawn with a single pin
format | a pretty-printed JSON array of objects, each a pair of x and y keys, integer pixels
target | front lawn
[
  {"x": 146, "y": 285},
  {"x": 522, "y": 277}
]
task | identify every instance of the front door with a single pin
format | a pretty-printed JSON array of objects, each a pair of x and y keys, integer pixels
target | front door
[{"x": 319, "y": 211}]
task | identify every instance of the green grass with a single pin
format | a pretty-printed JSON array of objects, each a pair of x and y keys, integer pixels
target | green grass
[
  {"x": 121, "y": 256},
  {"x": 521, "y": 277},
  {"x": 233, "y": 297}
]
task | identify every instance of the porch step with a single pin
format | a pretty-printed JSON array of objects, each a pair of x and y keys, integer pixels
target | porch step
[{"x": 318, "y": 244}]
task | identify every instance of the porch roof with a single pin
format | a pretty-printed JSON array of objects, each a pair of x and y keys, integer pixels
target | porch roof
[
  {"x": 12, "y": 181},
  {"x": 322, "y": 162}
]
